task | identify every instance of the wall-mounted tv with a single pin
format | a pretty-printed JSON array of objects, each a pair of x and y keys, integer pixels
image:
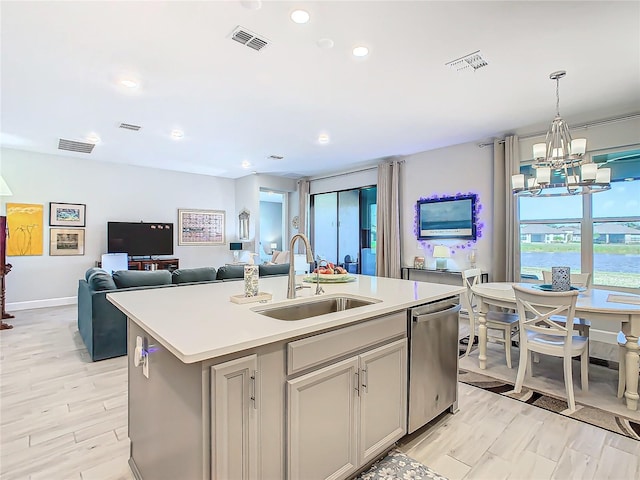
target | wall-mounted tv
[
  {"x": 447, "y": 217},
  {"x": 140, "y": 239}
]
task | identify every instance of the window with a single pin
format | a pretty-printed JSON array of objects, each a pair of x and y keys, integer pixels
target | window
[
  {"x": 616, "y": 235},
  {"x": 599, "y": 233}
]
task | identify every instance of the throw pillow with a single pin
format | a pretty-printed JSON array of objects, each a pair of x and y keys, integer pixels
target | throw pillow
[
  {"x": 101, "y": 280},
  {"x": 283, "y": 257},
  {"x": 91, "y": 271}
]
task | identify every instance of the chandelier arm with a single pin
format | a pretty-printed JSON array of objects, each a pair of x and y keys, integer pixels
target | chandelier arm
[{"x": 558, "y": 96}]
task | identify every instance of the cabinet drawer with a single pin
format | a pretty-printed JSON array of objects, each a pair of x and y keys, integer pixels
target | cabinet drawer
[{"x": 316, "y": 350}]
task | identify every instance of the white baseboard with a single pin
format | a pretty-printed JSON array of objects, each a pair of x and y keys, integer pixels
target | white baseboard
[{"x": 48, "y": 302}]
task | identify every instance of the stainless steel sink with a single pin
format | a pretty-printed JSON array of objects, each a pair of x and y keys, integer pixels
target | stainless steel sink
[{"x": 315, "y": 307}]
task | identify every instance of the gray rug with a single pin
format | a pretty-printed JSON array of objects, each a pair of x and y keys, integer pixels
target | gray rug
[
  {"x": 595, "y": 416},
  {"x": 398, "y": 466}
]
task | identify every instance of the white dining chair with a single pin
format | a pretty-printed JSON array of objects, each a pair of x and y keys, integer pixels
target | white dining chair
[
  {"x": 539, "y": 333},
  {"x": 582, "y": 325},
  {"x": 507, "y": 323}
]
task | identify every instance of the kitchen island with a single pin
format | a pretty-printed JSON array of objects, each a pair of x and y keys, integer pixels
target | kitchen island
[{"x": 220, "y": 390}]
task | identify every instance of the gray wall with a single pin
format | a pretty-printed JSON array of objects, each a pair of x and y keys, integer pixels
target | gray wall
[{"x": 111, "y": 192}]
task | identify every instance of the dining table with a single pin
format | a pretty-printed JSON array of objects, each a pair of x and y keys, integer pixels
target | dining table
[{"x": 593, "y": 304}]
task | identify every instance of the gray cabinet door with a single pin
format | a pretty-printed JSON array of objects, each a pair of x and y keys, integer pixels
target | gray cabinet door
[
  {"x": 323, "y": 422},
  {"x": 234, "y": 420},
  {"x": 383, "y": 398}
]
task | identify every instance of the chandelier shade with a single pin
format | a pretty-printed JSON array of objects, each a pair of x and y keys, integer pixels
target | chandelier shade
[{"x": 561, "y": 156}]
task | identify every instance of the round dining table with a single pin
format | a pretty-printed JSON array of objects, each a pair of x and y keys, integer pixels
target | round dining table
[{"x": 592, "y": 304}]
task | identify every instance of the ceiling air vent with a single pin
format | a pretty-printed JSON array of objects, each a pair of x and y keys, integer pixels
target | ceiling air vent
[
  {"x": 72, "y": 146},
  {"x": 129, "y": 126},
  {"x": 470, "y": 62},
  {"x": 248, "y": 38}
]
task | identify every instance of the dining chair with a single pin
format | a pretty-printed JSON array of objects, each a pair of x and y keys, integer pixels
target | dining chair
[
  {"x": 582, "y": 325},
  {"x": 622, "y": 363},
  {"x": 540, "y": 333},
  {"x": 507, "y": 323}
]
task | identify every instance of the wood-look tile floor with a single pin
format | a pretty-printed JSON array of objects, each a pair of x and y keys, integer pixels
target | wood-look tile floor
[{"x": 63, "y": 417}]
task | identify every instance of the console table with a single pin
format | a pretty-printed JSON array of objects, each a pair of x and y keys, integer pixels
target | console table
[
  {"x": 170, "y": 264},
  {"x": 447, "y": 277}
]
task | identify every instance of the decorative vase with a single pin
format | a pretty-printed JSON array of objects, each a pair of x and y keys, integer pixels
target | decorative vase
[
  {"x": 560, "y": 279},
  {"x": 250, "y": 280}
]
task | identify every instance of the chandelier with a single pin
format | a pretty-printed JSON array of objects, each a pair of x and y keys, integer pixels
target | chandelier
[{"x": 561, "y": 157}]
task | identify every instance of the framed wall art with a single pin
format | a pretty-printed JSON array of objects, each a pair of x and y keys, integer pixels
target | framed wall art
[
  {"x": 67, "y": 214},
  {"x": 201, "y": 227},
  {"x": 66, "y": 241},
  {"x": 25, "y": 226}
]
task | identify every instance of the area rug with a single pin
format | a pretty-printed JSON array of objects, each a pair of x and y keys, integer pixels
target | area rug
[
  {"x": 585, "y": 413},
  {"x": 399, "y": 466}
]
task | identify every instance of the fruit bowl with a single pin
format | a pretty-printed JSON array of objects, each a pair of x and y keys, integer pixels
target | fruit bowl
[{"x": 329, "y": 277}]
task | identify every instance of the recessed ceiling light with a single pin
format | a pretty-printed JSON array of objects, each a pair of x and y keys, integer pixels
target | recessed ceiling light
[
  {"x": 93, "y": 138},
  {"x": 300, "y": 16},
  {"x": 129, "y": 83},
  {"x": 323, "y": 138},
  {"x": 325, "y": 43},
  {"x": 251, "y": 4},
  {"x": 360, "y": 51},
  {"x": 246, "y": 164},
  {"x": 177, "y": 134}
]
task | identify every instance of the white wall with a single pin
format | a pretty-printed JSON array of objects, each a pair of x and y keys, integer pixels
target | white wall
[
  {"x": 111, "y": 192},
  {"x": 448, "y": 171}
]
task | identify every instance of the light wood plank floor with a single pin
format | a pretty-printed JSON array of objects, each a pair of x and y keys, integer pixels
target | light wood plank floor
[{"x": 63, "y": 417}]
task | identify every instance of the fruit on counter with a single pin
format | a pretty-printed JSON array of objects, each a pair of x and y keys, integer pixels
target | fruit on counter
[{"x": 330, "y": 270}]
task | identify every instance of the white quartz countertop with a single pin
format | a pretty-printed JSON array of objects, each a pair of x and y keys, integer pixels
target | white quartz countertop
[{"x": 199, "y": 322}]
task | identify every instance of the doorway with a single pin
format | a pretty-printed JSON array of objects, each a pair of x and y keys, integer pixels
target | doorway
[
  {"x": 343, "y": 228},
  {"x": 273, "y": 235}
]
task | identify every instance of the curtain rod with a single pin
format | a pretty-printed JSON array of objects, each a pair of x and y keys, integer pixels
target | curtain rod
[
  {"x": 597, "y": 123},
  {"x": 343, "y": 173},
  {"x": 375, "y": 167}
]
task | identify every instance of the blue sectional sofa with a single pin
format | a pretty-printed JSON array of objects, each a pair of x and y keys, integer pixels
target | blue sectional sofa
[{"x": 103, "y": 327}]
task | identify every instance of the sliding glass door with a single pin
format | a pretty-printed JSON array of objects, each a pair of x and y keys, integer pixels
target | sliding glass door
[{"x": 343, "y": 228}]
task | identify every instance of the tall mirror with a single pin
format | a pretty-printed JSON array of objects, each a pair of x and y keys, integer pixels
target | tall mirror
[{"x": 243, "y": 225}]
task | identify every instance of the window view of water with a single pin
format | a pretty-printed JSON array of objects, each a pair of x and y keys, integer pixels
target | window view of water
[{"x": 603, "y": 261}]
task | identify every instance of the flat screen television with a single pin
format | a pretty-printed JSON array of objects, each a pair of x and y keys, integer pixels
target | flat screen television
[
  {"x": 140, "y": 239},
  {"x": 447, "y": 217}
]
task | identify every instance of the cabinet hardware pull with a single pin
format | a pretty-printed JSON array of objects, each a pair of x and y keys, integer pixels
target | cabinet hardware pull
[
  {"x": 357, "y": 382},
  {"x": 253, "y": 389},
  {"x": 365, "y": 378}
]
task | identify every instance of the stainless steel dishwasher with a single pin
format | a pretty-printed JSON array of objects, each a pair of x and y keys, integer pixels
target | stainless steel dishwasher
[{"x": 433, "y": 361}]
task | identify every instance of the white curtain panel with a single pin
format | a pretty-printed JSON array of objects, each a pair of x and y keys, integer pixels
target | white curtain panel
[
  {"x": 303, "y": 198},
  {"x": 388, "y": 238},
  {"x": 506, "y": 237}
]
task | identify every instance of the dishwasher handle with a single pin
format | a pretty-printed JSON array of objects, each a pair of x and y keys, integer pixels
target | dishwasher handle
[{"x": 439, "y": 313}]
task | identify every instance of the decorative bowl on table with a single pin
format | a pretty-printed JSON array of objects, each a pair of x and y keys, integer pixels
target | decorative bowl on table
[{"x": 547, "y": 287}]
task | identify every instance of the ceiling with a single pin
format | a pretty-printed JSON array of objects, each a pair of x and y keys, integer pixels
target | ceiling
[{"x": 62, "y": 63}]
